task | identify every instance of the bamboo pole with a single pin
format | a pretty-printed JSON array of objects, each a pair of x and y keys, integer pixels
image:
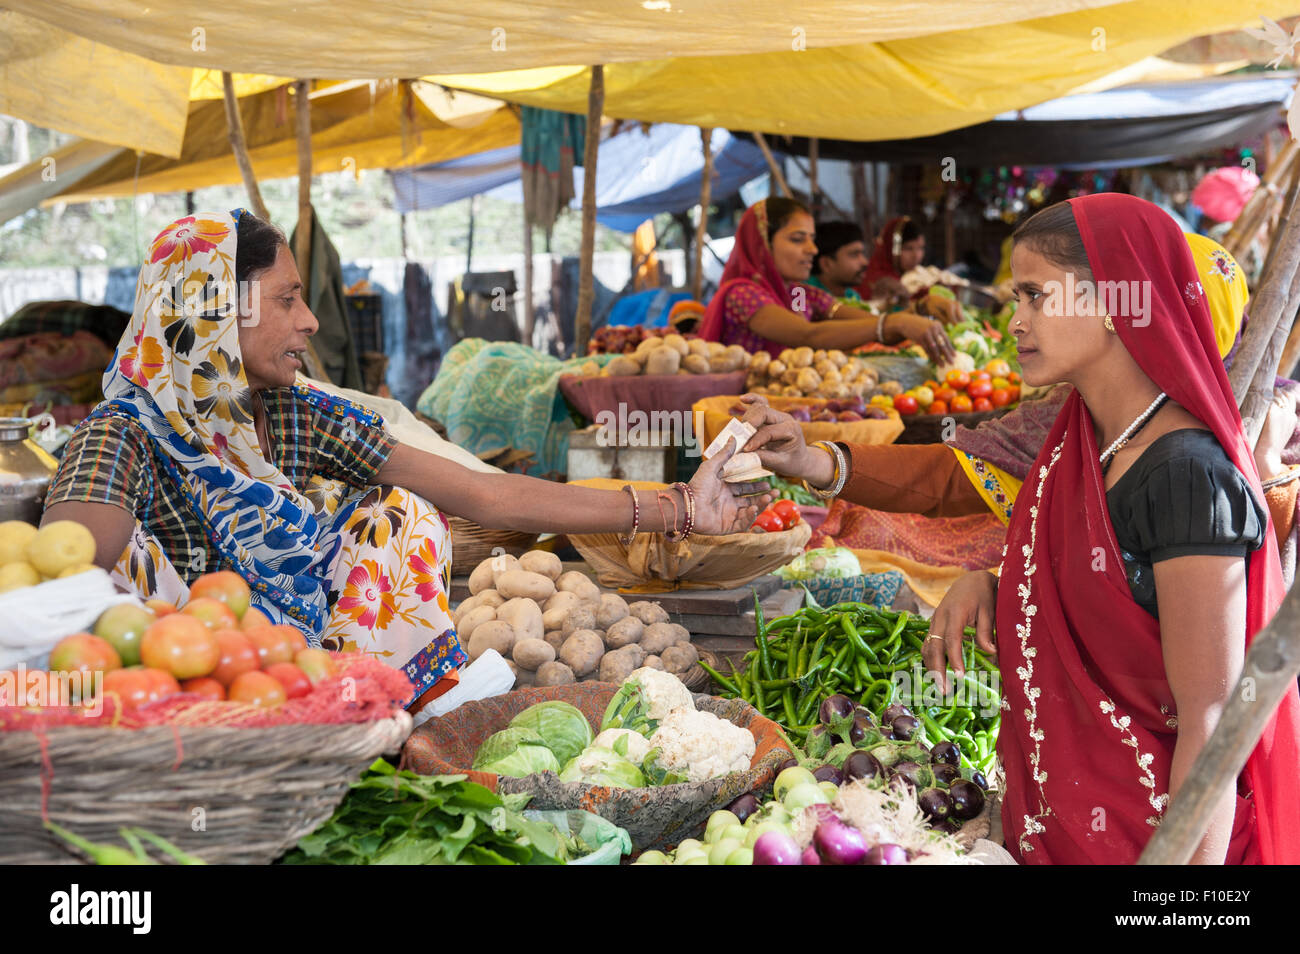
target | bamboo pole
[
  {"x": 1257, "y": 206},
  {"x": 530, "y": 313},
  {"x": 235, "y": 125},
  {"x": 1269, "y": 672},
  {"x": 813, "y": 148},
  {"x": 702, "y": 226},
  {"x": 302, "y": 253},
  {"x": 586, "y": 280},
  {"x": 772, "y": 165}
]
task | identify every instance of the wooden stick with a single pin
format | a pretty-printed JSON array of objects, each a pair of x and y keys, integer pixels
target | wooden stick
[
  {"x": 702, "y": 226},
  {"x": 302, "y": 253},
  {"x": 586, "y": 280},
  {"x": 1252, "y": 215},
  {"x": 235, "y": 125},
  {"x": 530, "y": 313},
  {"x": 812, "y": 174},
  {"x": 772, "y": 165},
  {"x": 1274, "y": 208},
  {"x": 1259, "y": 397},
  {"x": 1270, "y": 670}
]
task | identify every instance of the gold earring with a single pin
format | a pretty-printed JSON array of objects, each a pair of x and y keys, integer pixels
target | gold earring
[{"x": 1110, "y": 325}]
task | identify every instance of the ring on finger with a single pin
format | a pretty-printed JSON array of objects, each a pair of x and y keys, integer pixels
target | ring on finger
[{"x": 934, "y": 636}]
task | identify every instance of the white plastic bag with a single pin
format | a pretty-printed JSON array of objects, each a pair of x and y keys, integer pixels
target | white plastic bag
[
  {"x": 485, "y": 677},
  {"x": 34, "y": 618}
]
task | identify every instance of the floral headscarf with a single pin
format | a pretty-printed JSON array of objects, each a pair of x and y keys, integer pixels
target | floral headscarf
[{"x": 179, "y": 372}]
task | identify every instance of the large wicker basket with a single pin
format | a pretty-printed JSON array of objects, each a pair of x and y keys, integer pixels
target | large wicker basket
[
  {"x": 225, "y": 795},
  {"x": 472, "y": 544}
]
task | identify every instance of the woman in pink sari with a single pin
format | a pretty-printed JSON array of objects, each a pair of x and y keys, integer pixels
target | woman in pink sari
[{"x": 1139, "y": 563}]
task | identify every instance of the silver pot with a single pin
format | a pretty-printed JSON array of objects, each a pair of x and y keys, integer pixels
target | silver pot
[{"x": 25, "y": 472}]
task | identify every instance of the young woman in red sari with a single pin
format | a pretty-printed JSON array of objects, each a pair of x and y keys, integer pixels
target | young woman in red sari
[
  {"x": 899, "y": 248},
  {"x": 763, "y": 302}
]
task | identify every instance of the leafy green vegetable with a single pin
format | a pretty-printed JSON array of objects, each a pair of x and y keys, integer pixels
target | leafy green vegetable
[
  {"x": 515, "y": 751},
  {"x": 400, "y": 818},
  {"x": 786, "y": 490},
  {"x": 561, "y": 727},
  {"x": 603, "y": 767},
  {"x": 835, "y": 563},
  {"x": 656, "y": 773}
]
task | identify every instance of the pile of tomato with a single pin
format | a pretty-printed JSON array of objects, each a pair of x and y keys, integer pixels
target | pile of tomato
[
  {"x": 781, "y": 515},
  {"x": 961, "y": 392}
]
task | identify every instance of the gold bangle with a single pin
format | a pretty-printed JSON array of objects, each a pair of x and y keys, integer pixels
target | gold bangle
[{"x": 830, "y": 491}]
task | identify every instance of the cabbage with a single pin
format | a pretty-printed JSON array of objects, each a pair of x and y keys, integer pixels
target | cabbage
[
  {"x": 603, "y": 767},
  {"x": 515, "y": 752},
  {"x": 625, "y": 742},
  {"x": 562, "y": 727},
  {"x": 833, "y": 563}
]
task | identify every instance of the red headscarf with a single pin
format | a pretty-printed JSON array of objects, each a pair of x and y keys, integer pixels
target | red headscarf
[
  {"x": 884, "y": 257},
  {"x": 1088, "y": 733},
  {"x": 750, "y": 260}
]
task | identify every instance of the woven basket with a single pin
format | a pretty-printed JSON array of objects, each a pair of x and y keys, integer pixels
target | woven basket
[
  {"x": 696, "y": 679},
  {"x": 930, "y": 428},
  {"x": 472, "y": 544},
  {"x": 255, "y": 791}
]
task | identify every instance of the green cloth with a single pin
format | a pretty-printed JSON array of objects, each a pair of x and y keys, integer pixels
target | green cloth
[
  {"x": 550, "y": 145},
  {"x": 493, "y": 394},
  {"x": 850, "y": 294},
  {"x": 333, "y": 341}
]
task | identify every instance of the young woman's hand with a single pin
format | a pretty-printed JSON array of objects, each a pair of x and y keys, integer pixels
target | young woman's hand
[
  {"x": 926, "y": 332},
  {"x": 945, "y": 309},
  {"x": 1279, "y": 426},
  {"x": 972, "y": 601},
  {"x": 719, "y": 506}
]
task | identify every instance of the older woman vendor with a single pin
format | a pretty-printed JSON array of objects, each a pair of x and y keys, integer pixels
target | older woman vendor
[{"x": 211, "y": 452}]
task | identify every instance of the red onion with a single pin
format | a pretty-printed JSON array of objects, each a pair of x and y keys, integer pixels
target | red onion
[
  {"x": 839, "y": 844},
  {"x": 810, "y": 856},
  {"x": 886, "y": 855},
  {"x": 776, "y": 848}
]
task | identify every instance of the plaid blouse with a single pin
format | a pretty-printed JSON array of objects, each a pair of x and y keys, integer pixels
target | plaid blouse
[
  {"x": 743, "y": 301},
  {"x": 113, "y": 460}
]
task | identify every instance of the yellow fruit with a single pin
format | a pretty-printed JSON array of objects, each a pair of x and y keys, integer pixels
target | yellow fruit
[
  {"x": 75, "y": 570},
  {"x": 14, "y": 537},
  {"x": 14, "y": 576},
  {"x": 60, "y": 545}
]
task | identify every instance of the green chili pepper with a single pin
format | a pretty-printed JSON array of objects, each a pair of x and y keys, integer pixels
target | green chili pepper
[
  {"x": 851, "y": 633},
  {"x": 817, "y": 650},
  {"x": 720, "y": 679},
  {"x": 787, "y": 703}
]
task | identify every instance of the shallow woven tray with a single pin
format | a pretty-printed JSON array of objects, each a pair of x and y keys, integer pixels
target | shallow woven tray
[
  {"x": 695, "y": 678},
  {"x": 252, "y": 792},
  {"x": 472, "y": 544}
]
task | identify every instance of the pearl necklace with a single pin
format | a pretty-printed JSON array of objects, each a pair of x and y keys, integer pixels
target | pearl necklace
[{"x": 1133, "y": 428}]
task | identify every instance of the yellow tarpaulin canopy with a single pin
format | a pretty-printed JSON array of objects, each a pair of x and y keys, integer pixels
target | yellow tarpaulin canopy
[{"x": 894, "y": 90}]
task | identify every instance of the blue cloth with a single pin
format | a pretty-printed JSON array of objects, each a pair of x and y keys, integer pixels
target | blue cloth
[{"x": 649, "y": 308}]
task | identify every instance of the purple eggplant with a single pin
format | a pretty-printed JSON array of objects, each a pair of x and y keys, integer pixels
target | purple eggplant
[
  {"x": 899, "y": 784},
  {"x": 827, "y": 773},
  {"x": 946, "y": 752},
  {"x": 788, "y": 763},
  {"x": 886, "y": 754},
  {"x": 744, "y": 806},
  {"x": 886, "y": 855},
  {"x": 918, "y": 776},
  {"x": 862, "y": 765},
  {"x": 892, "y": 712},
  {"x": 836, "y": 713},
  {"x": 905, "y": 727},
  {"x": 862, "y": 712},
  {"x": 936, "y": 803},
  {"x": 860, "y": 729},
  {"x": 967, "y": 799},
  {"x": 839, "y": 844},
  {"x": 819, "y": 741},
  {"x": 945, "y": 773},
  {"x": 978, "y": 778}
]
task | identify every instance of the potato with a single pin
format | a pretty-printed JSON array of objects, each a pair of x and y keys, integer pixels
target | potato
[
  {"x": 759, "y": 360},
  {"x": 738, "y": 356},
  {"x": 802, "y": 358},
  {"x": 678, "y": 344},
  {"x": 554, "y": 674},
  {"x": 648, "y": 612},
  {"x": 502, "y": 563},
  {"x": 837, "y": 357},
  {"x": 824, "y": 367},
  {"x": 808, "y": 380},
  {"x": 680, "y": 658},
  {"x": 717, "y": 349},
  {"x": 790, "y": 376},
  {"x": 626, "y": 630},
  {"x": 791, "y": 391},
  {"x": 521, "y": 583},
  {"x": 653, "y": 662},
  {"x": 514, "y": 668},
  {"x": 582, "y": 651},
  {"x": 485, "y": 598},
  {"x": 646, "y": 345},
  {"x": 525, "y": 678},
  {"x": 776, "y": 368},
  {"x": 580, "y": 584},
  {"x": 617, "y": 665},
  {"x": 555, "y": 638},
  {"x": 582, "y": 617},
  {"x": 531, "y": 653},
  {"x": 663, "y": 361},
  {"x": 563, "y": 599},
  {"x": 481, "y": 578},
  {"x": 659, "y": 636},
  {"x": 698, "y": 346},
  {"x": 494, "y": 634},
  {"x": 622, "y": 366},
  {"x": 540, "y": 561},
  {"x": 474, "y": 618},
  {"x": 612, "y": 608},
  {"x": 719, "y": 364},
  {"x": 696, "y": 364},
  {"x": 524, "y": 615},
  {"x": 589, "y": 369},
  {"x": 786, "y": 355}
]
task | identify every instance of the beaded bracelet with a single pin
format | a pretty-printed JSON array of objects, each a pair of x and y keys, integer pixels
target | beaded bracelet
[
  {"x": 880, "y": 328},
  {"x": 688, "y": 498},
  {"x": 636, "y": 517},
  {"x": 1281, "y": 479}
]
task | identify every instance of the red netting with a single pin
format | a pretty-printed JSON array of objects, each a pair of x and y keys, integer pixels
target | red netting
[{"x": 364, "y": 690}]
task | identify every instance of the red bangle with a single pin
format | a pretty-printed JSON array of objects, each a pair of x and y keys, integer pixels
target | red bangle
[{"x": 636, "y": 517}]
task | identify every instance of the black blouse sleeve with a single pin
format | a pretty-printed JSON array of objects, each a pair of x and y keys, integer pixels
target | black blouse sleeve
[{"x": 1196, "y": 506}]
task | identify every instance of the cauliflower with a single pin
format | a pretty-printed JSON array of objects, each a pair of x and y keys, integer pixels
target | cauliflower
[
  {"x": 644, "y": 700},
  {"x": 699, "y": 746},
  {"x": 637, "y": 746}
]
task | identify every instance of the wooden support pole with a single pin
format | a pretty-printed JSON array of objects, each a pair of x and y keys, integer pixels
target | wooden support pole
[
  {"x": 302, "y": 252},
  {"x": 1269, "y": 672},
  {"x": 812, "y": 175},
  {"x": 1256, "y": 210},
  {"x": 235, "y": 126},
  {"x": 949, "y": 228},
  {"x": 530, "y": 313},
  {"x": 772, "y": 165},
  {"x": 586, "y": 280},
  {"x": 702, "y": 226}
]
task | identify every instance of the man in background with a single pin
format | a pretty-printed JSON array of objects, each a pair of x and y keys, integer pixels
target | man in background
[{"x": 841, "y": 260}]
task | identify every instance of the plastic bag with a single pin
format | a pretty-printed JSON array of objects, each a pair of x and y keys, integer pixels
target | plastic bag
[
  {"x": 37, "y": 617},
  {"x": 610, "y": 843}
]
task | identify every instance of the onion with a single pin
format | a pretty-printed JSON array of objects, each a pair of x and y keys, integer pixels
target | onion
[
  {"x": 839, "y": 844},
  {"x": 810, "y": 856},
  {"x": 776, "y": 848},
  {"x": 886, "y": 855}
]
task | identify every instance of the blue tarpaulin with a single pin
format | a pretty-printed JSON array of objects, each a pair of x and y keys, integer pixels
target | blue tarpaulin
[{"x": 639, "y": 174}]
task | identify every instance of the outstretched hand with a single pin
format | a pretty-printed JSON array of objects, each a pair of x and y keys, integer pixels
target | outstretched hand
[
  {"x": 778, "y": 439},
  {"x": 720, "y": 507}
]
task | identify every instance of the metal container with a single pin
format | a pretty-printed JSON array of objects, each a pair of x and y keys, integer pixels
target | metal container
[{"x": 25, "y": 472}]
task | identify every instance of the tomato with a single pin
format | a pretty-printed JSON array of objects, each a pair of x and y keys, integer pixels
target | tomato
[
  {"x": 294, "y": 680},
  {"x": 982, "y": 404},
  {"x": 980, "y": 389},
  {"x": 769, "y": 522},
  {"x": 923, "y": 395},
  {"x": 905, "y": 404},
  {"x": 181, "y": 645},
  {"x": 131, "y": 686},
  {"x": 938, "y": 407},
  {"x": 980, "y": 376},
  {"x": 258, "y": 689},
  {"x": 317, "y": 664},
  {"x": 161, "y": 683},
  {"x": 931, "y": 384},
  {"x": 788, "y": 511},
  {"x": 160, "y": 608},
  {"x": 212, "y": 613},
  {"x": 1013, "y": 377},
  {"x": 206, "y": 687},
  {"x": 961, "y": 404},
  {"x": 957, "y": 378},
  {"x": 998, "y": 368},
  {"x": 238, "y": 656},
  {"x": 944, "y": 394},
  {"x": 1000, "y": 397},
  {"x": 1014, "y": 391},
  {"x": 294, "y": 637},
  {"x": 226, "y": 587},
  {"x": 253, "y": 617},
  {"x": 273, "y": 644},
  {"x": 84, "y": 652},
  {"x": 1001, "y": 383}
]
